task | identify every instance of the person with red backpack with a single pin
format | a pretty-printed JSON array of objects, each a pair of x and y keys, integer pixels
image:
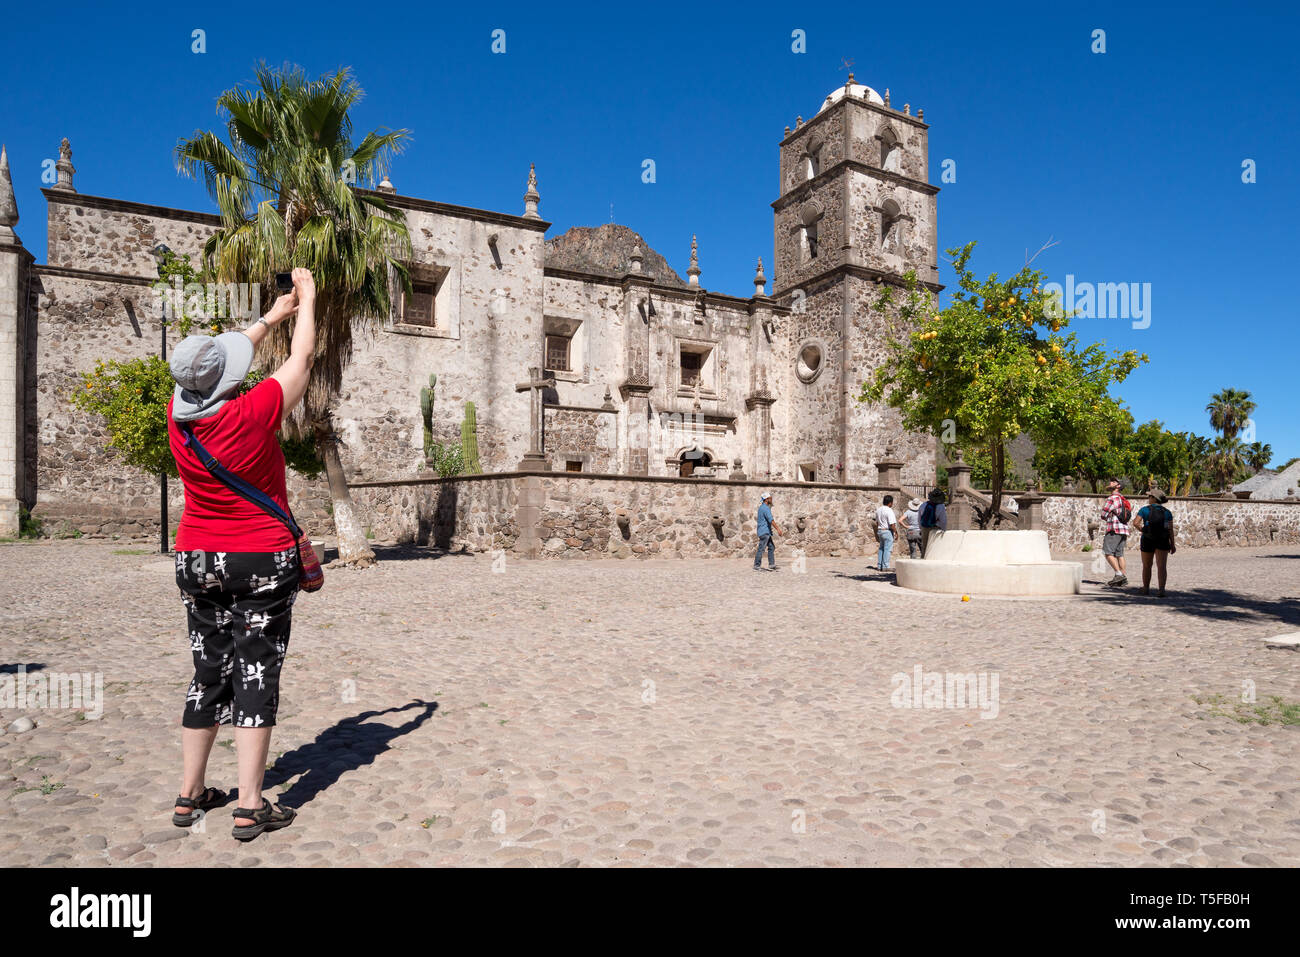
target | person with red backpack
[{"x": 1115, "y": 515}]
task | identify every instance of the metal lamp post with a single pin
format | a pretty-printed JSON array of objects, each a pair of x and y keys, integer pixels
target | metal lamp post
[{"x": 160, "y": 253}]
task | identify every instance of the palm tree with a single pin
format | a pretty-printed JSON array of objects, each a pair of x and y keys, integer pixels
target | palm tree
[
  {"x": 1229, "y": 410},
  {"x": 1258, "y": 455},
  {"x": 1198, "y": 452},
  {"x": 1226, "y": 460},
  {"x": 284, "y": 187}
]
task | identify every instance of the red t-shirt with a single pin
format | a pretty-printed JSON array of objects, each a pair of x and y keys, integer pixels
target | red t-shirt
[{"x": 242, "y": 437}]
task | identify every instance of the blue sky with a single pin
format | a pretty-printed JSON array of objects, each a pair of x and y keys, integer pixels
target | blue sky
[{"x": 1131, "y": 160}]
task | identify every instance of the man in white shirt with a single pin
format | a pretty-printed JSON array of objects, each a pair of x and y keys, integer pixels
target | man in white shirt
[{"x": 886, "y": 530}]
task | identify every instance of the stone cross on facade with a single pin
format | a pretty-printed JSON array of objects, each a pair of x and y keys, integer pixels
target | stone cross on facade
[{"x": 534, "y": 459}]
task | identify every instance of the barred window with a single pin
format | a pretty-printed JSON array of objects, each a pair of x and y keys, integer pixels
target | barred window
[
  {"x": 417, "y": 310},
  {"x": 557, "y": 353}
]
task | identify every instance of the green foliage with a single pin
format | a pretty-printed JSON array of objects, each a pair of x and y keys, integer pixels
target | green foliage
[
  {"x": 1257, "y": 456},
  {"x": 427, "y": 396},
  {"x": 469, "y": 440},
  {"x": 1110, "y": 453},
  {"x": 190, "y": 307},
  {"x": 447, "y": 460},
  {"x": 1159, "y": 456},
  {"x": 995, "y": 364},
  {"x": 29, "y": 526},
  {"x": 1229, "y": 409},
  {"x": 1272, "y": 710},
  {"x": 131, "y": 396}
]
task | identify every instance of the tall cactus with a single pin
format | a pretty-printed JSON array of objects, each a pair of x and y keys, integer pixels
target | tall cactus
[
  {"x": 469, "y": 440},
  {"x": 426, "y": 410}
]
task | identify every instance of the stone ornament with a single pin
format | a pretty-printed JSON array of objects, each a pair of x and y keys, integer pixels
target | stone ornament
[
  {"x": 810, "y": 361},
  {"x": 532, "y": 197},
  {"x": 64, "y": 167},
  {"x": 8, "y": 204}
]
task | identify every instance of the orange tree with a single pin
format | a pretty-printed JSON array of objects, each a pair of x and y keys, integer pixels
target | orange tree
[{"x": 994, "y": 364}]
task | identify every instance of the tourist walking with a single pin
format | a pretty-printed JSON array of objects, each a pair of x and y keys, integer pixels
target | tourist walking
[
  {"x": 1156, "y": 525},
  {"x": 933, "y": 517},
  {"x": 1115, "y": 514},
  {"x": 237, "y": 566},
  {"x": 766, "y": 527},
  {"x": 886, "y": 532},
  {"x": 912, "y": 528}
]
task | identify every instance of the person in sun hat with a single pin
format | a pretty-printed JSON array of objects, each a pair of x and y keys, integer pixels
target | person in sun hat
[
  {"x": 236, "y": 565},
  {"x": 1156, "y": 524},
  {"x": 912, "y": 528}
]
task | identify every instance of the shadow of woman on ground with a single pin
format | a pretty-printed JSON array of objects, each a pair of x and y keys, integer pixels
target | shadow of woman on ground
[{"x": 348, "y": 745}]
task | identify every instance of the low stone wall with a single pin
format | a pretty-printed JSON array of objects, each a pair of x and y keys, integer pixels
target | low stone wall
[
  {"x": 577, "y": 515},
  {"x": 1198, "y": 522}
]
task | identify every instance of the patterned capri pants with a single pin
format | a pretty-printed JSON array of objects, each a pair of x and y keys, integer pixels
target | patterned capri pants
[{"x": 239, "y": 606}]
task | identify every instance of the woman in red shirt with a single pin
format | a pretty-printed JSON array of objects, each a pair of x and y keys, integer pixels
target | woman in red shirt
[{"x": 236, "y": 565}]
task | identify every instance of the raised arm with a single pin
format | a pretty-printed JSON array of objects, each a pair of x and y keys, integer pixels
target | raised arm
[
  {"x": 281, "y": 310},
  {"x": 293, "y": 374}
]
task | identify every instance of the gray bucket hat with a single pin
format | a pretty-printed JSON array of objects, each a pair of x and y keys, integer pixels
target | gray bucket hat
[{"x": 208, "y": 370}]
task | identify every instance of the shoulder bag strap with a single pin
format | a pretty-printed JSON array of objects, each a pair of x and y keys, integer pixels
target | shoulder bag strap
[{"x": 237, "y": 485}]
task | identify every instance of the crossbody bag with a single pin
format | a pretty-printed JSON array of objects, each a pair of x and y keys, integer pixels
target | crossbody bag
[{"x": 311, "y": 576}]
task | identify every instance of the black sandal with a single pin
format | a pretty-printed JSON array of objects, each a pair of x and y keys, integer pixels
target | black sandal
[
  {"x": 210, "y": 798},
  {"x": 268, "y": 817}
]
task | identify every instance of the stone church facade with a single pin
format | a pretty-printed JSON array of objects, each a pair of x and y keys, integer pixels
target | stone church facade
[{"x": 642, "y": 372}]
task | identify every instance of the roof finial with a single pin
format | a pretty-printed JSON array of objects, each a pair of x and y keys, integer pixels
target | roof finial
[
  {"x": 886, "y": 96},
  {"x": 634, "y": 259},
  {"x": 907, "y": 109},
  {"x": 920, "y": 114},
  {"x": 531, "y": 197},
  {"x": 8, "y": 204},
  {"x": 760, "y": 281},
  {"x": 693, "y": 272},
  {"x": 386, "y": 186},
  {"x": 64, "y": 167}
]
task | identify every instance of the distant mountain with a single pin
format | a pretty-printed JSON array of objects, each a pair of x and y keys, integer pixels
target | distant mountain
[{"x": 604, "y": 250}]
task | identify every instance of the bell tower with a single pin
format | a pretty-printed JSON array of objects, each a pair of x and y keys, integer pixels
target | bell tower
[{"x": 856, "y": 210}]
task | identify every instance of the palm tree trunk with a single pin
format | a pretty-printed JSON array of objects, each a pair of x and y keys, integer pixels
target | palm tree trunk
[{"x": 353, "y": 547}]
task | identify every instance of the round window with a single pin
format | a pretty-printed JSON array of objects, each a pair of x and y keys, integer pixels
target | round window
[{"x": 810, "y": 362}]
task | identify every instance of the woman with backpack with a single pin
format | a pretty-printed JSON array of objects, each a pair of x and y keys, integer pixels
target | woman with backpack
[
  {"x": 1156, "y": 523},
  {"x": 933, "y": 517}
]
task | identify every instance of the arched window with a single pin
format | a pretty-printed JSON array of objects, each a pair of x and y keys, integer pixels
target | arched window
[
  {"x": 891, "y": 153},
  {"x": 891, "y": 226},
  {"x": 810, "y": 241},
  {"x": 812, "y": 163},
  {"x": 692, "y": 459}
]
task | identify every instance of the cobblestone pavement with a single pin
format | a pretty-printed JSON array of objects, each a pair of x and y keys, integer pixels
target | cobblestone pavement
[{"x": 668, "y": 713}]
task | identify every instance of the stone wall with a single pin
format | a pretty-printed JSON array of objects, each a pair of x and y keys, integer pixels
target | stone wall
[
  {"x": 1073, "y": 520},
  {"x": 578, "y": 516}
]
